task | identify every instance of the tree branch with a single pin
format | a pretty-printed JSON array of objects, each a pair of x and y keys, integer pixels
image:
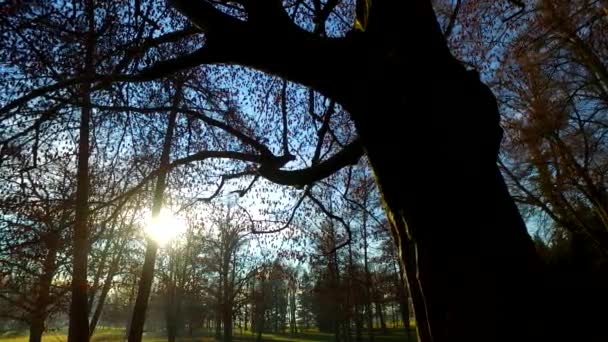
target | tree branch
[
  {"x": 349, "y": 155},
  {"x": 450, "y": 27},
  {"x": 284, "y": 118},
  {"x": 333, "y": 217},
  {"x": 269, "y": 41},
  {"x": 206, "y": 119}
]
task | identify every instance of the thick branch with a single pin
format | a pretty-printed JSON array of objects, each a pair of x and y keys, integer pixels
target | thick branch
[
  {"x": 348, "y": 156},
  {"x": 274, "y": 45}
]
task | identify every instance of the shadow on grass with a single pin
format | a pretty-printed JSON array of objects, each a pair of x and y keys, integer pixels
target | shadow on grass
[
  {"x": 117, "y": 335},
  {"x": 393, "y": 335}
]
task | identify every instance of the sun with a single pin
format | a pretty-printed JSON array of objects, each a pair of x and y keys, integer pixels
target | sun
[{"x": 165, "y": 227}]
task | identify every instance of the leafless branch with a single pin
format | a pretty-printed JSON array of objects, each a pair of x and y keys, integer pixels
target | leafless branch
[
  {"x": 333, "y": 217},
  {"x": 288, "y": 222},
  {"x": 349, "y": 155},
  {"x": 284, "y": 118},
  {"x": 450, "y": 26}
]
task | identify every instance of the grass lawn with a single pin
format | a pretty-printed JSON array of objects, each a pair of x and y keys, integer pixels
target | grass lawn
[
  {"x": 394, "y": 335},
  {"x": 116, "y": 335}
]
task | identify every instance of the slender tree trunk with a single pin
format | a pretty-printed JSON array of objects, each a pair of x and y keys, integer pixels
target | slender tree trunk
[
  {"x": 147, "y": 275},
  {"x": 78, "y": 330},
  {"x": 36, "y": 329},
  {"x": 143, "y": 293},
  {"x": 293, "y": 308},
  {"x": 368, "y": 277},
  {"x": 246, "y": 318},
  {"x": 132, "y": 295},
  {"x": 171, "y": 303},
  {"x": 171, "y": 313},
  {"x": 355, "y": 308},
  {"x": 221, "y": 299},
  {"x": 260, "y": 312},
  {"x": 347, "y": 308},
  {"x": 218, "y": 325},
  {"x": 39, "y": 315},
  {"x": 358, "y": 324},
  {"x": 246, "y": 306},
  {"x": 380, "y": 313},
  {"x": 107, "y": 285},
  {"x": 403, "y": 297},
  {"x": 227, "y": 320},
  {"x": 98, "y": 275}
]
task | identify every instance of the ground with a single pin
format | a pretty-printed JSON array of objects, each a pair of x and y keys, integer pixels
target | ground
[{"x": 114, "y": 335}]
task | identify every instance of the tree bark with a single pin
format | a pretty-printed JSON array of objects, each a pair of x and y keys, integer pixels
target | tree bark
[
  {"x": 36, "y": 329},
  {"x": 460, "y": 261},
  {"x": 79, "y": 324},
  {"x": 460, "y": 236},
  {"x": 403, "y": 297},
  {"x": 78, "y": 330},
  {"x": 227, "y": 320}
]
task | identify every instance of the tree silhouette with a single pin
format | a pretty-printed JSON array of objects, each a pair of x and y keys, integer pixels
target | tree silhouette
[{"x": 430, "y": 130}]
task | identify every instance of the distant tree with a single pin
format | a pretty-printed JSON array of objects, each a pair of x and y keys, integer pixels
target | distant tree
[
  {"x": 553, "y": 85},
  {"x": 177, "y": 269},
  {"x": 306, "y": 301},
  {"x": 329, "y": 288},
  {"x": 33, "y": 223},
  {"x": 224, "y": 254}
]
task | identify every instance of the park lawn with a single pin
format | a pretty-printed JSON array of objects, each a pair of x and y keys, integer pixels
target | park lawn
[
  {"x": 396, "y": 334},
  {"x": 115, "y": 335}
]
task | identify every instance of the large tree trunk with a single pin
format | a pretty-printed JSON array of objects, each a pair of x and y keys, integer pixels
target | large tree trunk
[
  {"x": 431, "y": 133},
  {"x": 463, "y": 243}
]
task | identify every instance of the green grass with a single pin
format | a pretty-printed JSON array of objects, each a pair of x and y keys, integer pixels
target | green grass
[
  {"x": 116, "y": 335},
  {"x": 393, "y": 335}
]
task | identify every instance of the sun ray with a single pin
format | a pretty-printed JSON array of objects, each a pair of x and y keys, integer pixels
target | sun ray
[{"x": 165, "y": 227}]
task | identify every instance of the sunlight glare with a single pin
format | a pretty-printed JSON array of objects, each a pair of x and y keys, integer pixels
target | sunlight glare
[{"x": 165, "y": 227}]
